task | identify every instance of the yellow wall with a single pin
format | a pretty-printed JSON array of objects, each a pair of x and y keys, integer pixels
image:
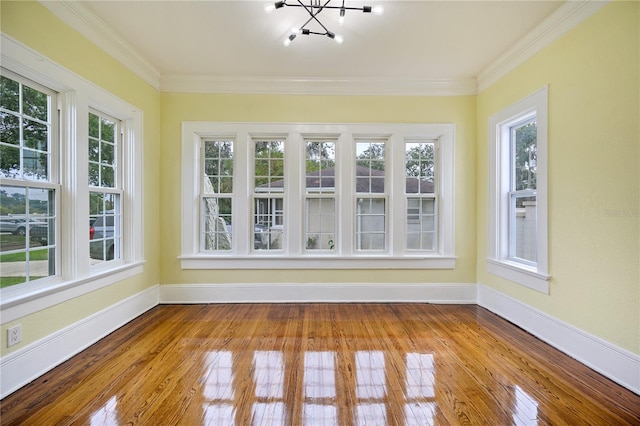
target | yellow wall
[
  {"x": 593, "y": 142},
  {"x": 177, "y": 108},
  {"x": 33, "y": 25}
]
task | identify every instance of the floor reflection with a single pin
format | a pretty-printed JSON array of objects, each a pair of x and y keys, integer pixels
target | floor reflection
[
  {"x": 370, "y": 393},
  {"x": 107, "y": 415},
  {"x": 525, "y": 411}
]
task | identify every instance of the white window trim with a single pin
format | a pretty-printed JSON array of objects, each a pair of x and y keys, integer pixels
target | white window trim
[
  {"x": 74, "y": 276},
  {"x": 498, "y": 263},
  {"x": 296, "y": 257}
]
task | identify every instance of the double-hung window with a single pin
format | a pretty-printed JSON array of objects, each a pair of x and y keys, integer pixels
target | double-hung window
[
  {"x": 29, "y": 184},
  {"x": 317, "y": 195},
  {"x": 268, "y": 193},
  {"x": 217, "y": 194},
  {"x": 105, "y": 188},
  {"x": 70, "y": 185},
  {"x": 371, "y": 197},
  {"x": 320, "y": 193},
  {"x": 421, "y": 194},
  {"x": 518, "y": 192}
]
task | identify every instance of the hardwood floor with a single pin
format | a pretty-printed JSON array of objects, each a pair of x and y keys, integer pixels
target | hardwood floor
[{"x": 321, "y": 364}]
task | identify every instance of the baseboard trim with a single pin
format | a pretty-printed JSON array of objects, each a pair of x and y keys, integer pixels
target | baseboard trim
[
  {"x": 617, "y": 364},
  {"x": 26, "y": 364},
  {"x": 313, "y": 292}
]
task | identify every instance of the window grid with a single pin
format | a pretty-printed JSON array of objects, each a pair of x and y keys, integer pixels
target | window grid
[{"x": 29, "y": 184}]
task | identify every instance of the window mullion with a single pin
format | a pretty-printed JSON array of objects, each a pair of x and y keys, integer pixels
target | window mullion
[
  {"x": 74, "y": 168},
  {"x": 345, "y": 193},
  {"x": 397, "y": 228},
  {"x": 294, "y": 194}
]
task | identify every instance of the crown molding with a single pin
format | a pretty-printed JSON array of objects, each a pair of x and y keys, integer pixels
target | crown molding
[
  {"x": 81, "y": 19},
  {"x": 567, "y": 16},
  {"x": 318, "y": 86},
  {"x": 553, "y": 27}
]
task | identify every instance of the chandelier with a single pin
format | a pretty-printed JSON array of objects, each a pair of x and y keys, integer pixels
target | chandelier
[{"x": 314, "y": 8}]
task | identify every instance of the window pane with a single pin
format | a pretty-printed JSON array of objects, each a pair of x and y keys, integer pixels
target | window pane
[
  {"x": 525, "y": 157},
  {"x": 27, "y": 230},
  {"x": 217, "y": 226},
  {"x": 370, "y": 224},
  {"x": 94, "y": 126},
  {"x": 320, "y": 224},
  {"x": 107, "y": 130},
  {"x": 524, "y": 225},
  {"x": 421, "y": 224},
  {"x": 108, "y": 153},
  {"x": 108, "y": 179},
  {"x": 9, "y": 94},
  {"x": 420, "y": 167},
  {"x": 9, "y": 128},
  {"x": 35, "y": 165},
  {"x": 35, "y": 104},
  {"x": 370, "y": 167}
]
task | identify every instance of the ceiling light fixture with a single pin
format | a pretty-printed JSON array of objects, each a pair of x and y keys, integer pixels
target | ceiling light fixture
[{"x": 313, "y": 8}]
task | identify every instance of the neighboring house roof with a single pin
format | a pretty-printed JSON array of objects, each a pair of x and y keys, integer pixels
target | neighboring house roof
[{"x": 326, "y": 179}]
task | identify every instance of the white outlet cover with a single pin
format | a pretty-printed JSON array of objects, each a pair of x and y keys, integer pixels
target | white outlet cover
[{"x": 14, "y": 335}]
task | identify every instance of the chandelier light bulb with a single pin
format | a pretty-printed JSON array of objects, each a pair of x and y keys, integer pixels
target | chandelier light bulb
[
  {"x": 269, "y": 7},
  {"x": 287, "y": 41},
  {"x": 341, "y": 18},
  {"x": 339, "y": 39},
  {"x": 377, "y": 10}
]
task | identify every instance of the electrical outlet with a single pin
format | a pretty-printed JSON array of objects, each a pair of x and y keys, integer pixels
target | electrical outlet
[{"x": 14, "y": 335}]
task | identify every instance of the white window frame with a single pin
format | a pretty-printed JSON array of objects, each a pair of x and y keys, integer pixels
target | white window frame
[
  {"x": 75, "y": 276},
  {"x": 530, "y": 274},
  {"x": 294, "y": 255}
]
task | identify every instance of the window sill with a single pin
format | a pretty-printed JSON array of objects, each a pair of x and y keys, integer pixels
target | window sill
[
  {"x": 316, "y": 262},
  {"x": 520, "y": 274},
  {"x": 21, "y": 300}
]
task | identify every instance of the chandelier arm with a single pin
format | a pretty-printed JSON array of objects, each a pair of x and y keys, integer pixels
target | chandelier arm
[
  {"x": 362, "y": 9},
  {"x": 309, "y": 10}
]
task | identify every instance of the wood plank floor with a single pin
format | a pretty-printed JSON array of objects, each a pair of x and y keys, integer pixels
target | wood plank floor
[{"x": 321, "y": 364}]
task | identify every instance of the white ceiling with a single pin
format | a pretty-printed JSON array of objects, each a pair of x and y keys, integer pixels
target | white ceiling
[{"x": 419, "y": 41}]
